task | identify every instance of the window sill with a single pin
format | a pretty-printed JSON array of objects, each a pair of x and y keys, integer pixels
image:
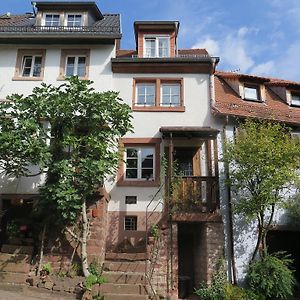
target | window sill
[
  {"x": 141, "y": 183},
  {"x": 253, "y": 100},
  {"x": 64, "y": 78},
  {"x": 27, "y": 78},
  {"x": 159, "y": 108}
]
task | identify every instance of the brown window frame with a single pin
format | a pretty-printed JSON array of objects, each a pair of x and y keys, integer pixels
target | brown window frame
[
  {"x": 139, "y": 142},
  {"x": 158, "y": 84},
  {"x": 73, "y": 52},
  {"x": 18, "y": 68},
  {"x": 258, "y": 92}
]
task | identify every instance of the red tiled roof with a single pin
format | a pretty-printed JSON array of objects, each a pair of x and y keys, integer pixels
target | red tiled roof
[
  {"x": 189, "y": 52},
  {"x": 228, "y": 102},
  {"x": 14, "y": 20},
  {"x": 126, "y": 53},
  {"x": 192, "y": 52}
]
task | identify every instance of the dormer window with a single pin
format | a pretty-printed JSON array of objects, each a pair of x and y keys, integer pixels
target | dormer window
[
  {"x": 252, "y": 92},
  {"x": 52, "y": 20},
  {"x": 157, "y": 46},
  {"x": 74, "y": 20},
  {"x": 295, "y": 99}
]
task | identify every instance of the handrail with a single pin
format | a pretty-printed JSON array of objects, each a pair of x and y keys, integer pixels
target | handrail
[{"x": 146, "y": 233}]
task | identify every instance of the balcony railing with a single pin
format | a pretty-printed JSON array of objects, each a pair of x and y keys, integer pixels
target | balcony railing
[
  {"x": 195, "y": 194},
  {"x": 36, "y": 29}
]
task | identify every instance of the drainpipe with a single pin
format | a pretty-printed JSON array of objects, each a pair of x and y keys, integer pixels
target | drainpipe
[{"x": 230, "y": 219}]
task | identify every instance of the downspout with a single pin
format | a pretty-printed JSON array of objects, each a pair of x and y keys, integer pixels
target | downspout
[{"x": 230, "y": 218}]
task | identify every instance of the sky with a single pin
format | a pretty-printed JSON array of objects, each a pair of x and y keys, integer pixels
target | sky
[{"x": 259, "y": 37}]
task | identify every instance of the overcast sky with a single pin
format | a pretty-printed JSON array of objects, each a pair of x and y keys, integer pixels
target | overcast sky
[{"x": 252, "y": 36}]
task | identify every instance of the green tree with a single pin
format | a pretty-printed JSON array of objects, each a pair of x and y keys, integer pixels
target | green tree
[
  {"x": 263, "y": 161},
  {"x": 70, "y": 133}
]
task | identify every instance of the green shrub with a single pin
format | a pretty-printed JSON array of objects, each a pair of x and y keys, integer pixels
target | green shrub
[
  {"x": 215, "y": 290},
  {"x": 233, "y": 292},
  {"x": 47, "y": 268},
  {"x": 95, "y": 276},
  {"x": 271, "y": 277}
]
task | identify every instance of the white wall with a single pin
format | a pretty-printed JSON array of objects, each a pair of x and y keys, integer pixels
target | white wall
[
  {"x": 147, "y": 124},
  {"x": 99, "y": 72}
]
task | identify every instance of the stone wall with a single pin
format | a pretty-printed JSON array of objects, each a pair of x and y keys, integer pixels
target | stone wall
[
  {"x": 163, "y": 264},
  {"x": 59, "y": 247}
]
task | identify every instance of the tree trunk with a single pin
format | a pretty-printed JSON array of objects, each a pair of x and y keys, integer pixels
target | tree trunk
[
  {"x": 84, "y": 259},
  {"x": 266, "y": 230},
  {"x": 42, "y": 249},
  {"x": 259, "y": 237}
]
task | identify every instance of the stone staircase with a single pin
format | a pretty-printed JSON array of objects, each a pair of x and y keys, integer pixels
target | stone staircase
[
  {"x": 125, "y": 275},
  {"x": 15, "y": 263}
]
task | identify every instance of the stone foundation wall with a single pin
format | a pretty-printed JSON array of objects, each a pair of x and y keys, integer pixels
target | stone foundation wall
[
  {"x": 163, "y": 264},
  {"x": 59, "y": 247}
]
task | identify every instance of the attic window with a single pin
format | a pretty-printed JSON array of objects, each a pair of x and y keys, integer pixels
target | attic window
[
  {"x": 52, "y": 20},
  {"x": 157, "y": 46},
  {"x": 74, "y": 20},
  {"x": 252, "y": 92},
  {"x": 295, "y": 99}
]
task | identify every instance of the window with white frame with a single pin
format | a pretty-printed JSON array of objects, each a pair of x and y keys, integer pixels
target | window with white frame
[
  {"x": 170, "y": 94},
  {"x": 252, "y": 92},
  {"x": 295, "y": 99},
  {"x": 74, "y": 20},
  {"x": 158, "y": 46},
  {"x": 75, "y": 65},
  {"x": 145, "y": 94},
  {"x": 52, "y": 20},
  {"x": 139, "y": 163},
  {"x": 31, "y": 66},
  {"x": 130, "y": 223}
]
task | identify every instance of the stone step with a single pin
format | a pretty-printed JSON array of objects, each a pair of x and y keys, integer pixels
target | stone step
[
  {"x": 15, "y": 278},
  {"x": 15, "y": 258},
  {"x": 20, "y": 241},
  {"x": 124, "y": 278},
  {"x": 14, "y": 267},
  {"x": 43, "y": 294},
  {"x": 113, "y": 288},
  {"x": 125, "y": 297},
  {"x": 17, "y": 249},
  {"x": 126, "y": 256},
  {"x": 124, "y": 266}
]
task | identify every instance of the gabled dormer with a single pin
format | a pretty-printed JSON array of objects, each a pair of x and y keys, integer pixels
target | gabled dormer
[
  {"x": 67, "y": 14},
  {"x": 156, "y": 38}
]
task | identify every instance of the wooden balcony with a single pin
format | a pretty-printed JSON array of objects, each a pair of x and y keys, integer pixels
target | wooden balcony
[{"x": 195, "y": 194}]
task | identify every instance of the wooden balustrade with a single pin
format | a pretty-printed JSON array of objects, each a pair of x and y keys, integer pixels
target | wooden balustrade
[{"x": 195, "y": 194}]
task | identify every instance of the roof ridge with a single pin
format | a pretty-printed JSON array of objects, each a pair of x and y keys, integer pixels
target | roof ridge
[{"x": 272, "y": 79}]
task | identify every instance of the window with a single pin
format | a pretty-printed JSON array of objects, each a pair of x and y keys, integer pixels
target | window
[
  {"x": 161, "y": 94},
  {"x": 252, "y": 92},
  {"x": 170, "y": 94},
  {"x": 295, "y": 99},
  {"x": 130, "y": 223},
  {"x": 145, "y": 94},
  {"x": 74, "y": 20},
  {"x": 157, "y": 46},
  {"x": 130, "y": 199},
  {"x": 140, "y": 165},
  {"x": 74, "y": 62},
  {"x": 52, "y": 20},
  {"x": 30, "y": 64},
  {"x": 75, "y": 65}
]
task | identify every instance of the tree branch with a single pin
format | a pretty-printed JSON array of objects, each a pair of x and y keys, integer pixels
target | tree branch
[{"x": 75, "y": 236}]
